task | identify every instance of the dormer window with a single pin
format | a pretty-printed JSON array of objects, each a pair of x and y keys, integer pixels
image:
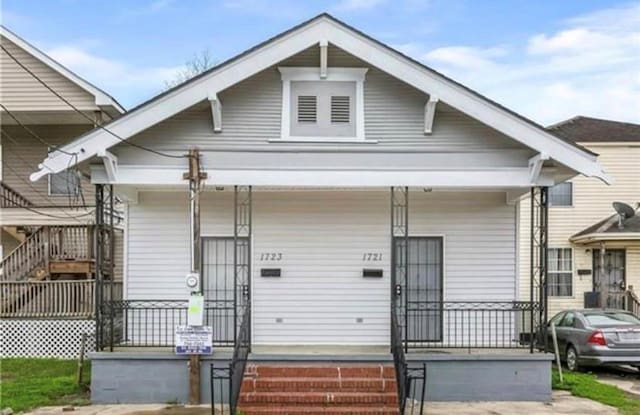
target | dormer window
[{"x": 323, "y": 109}]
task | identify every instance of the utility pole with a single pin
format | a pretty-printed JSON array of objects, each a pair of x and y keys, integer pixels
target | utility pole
[{"x": 195, "y": 176}]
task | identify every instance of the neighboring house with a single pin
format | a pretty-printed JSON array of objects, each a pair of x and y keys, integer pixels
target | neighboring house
[
  {"x": 355, "y": 201},
  {"x": 46, "y": 227},
  {"x": 583, "y": 223}
]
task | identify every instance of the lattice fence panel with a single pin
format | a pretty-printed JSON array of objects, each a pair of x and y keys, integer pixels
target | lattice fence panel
[{"x": 45, "y": 338}]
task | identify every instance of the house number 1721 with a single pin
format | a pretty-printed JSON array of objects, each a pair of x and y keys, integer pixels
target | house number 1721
[{"x": 372, "y": 256}]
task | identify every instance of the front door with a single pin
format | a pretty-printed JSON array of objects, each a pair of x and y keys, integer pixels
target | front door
[
  {"x": 609, "y": 277},
  {"x": 419, "y": 298}
]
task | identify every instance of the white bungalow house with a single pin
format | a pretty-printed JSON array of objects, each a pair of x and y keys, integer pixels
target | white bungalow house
[{"x": 354, "y": 202}]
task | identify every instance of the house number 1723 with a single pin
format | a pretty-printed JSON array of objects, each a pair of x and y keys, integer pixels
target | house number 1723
[
  {"x": 372, "y": 256},
  {"x": 271, "y": 256}
]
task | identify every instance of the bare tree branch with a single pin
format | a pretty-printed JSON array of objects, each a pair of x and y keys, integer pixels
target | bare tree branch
[{"x": 199, "y": 63}]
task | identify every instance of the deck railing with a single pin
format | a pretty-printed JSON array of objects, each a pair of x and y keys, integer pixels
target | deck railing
[
  {"x": 10, "y": 198},
  {"x": 32, "y": 253},
  {"x": 70, "y": 242},
  {"x": 632, "y": 302},
  {"x": 50, "y": 299},
  {"x": 468, "y": 324}
]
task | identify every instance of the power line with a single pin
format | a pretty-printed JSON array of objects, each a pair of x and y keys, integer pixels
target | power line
[
  {"x": 36, "y": 136},
  {"x": 30, "y": 209},
  {"x": 85, "y": 115},
  {"x": 14, "y": 141}
]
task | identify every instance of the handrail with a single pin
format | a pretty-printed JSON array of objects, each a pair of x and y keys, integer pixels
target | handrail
[
  {"x": 9, "y": 197},
  {"x": 49, "y": 299},
  {"x": 229, "y": 379},
  {"x": 26, "y": 257},
  {"x": 399, "y": 359},
  {"x": 633, "y": 302}
]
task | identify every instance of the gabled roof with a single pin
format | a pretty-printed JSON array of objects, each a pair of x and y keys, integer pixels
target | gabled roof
[
  {"x": 102, "y": 99},
  {"x": 326, "y": 28},
  {"x": 581, "y": 129},
  {"x": 610, "y": 229}
]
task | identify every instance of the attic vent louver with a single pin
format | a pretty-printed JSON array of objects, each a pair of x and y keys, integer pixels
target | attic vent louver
[
  {"x": 307, "y": 109},
  {"x": 340, "y": 109}
]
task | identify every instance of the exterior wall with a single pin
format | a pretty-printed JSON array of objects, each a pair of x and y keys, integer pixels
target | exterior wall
[
  {"x": 322, "y": 236},
  {"x": 22, "y": 154},
  {"x": 21, "y": 92},
  {"x": 591, "y": 203},
  {"x": 394, "y": 117}
]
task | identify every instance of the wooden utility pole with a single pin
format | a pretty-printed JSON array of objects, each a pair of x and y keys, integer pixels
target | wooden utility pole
[{"x": 195, "y": 176}]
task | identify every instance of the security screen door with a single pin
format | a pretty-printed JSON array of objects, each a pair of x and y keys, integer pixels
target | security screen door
[
  {"x": 611, "y": 279},
  {"x": 421, "y": 294},
  {"x": 221, "y": 291}
]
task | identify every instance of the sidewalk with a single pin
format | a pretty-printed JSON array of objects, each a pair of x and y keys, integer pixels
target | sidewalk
[{"x": 563, "y": 404}]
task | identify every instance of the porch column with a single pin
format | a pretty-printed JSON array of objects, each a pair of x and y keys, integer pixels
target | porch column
[
  {"x": 99, "y": 262},
  {"x": 538, "y": 262},
  {"x": 242, "y": 202},
  {"x": 399, "y": 262}
]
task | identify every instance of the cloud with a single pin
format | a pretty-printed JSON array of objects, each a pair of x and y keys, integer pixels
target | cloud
[
  {"x": 355, "y": 5},
  {"x": 589, "y": 66},
  {"x": 124, "y": 81}
]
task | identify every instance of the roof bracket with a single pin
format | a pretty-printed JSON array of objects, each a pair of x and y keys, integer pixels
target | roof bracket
[
  {"x": 323, "y": 58},
  {"x": 216, "y": 112},
  {"x": 535, "y": 166},
  {"x": 429, "y": 114},
  {"x": 110, "y": 164}
]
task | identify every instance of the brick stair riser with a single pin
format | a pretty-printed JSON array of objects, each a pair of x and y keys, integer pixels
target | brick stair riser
[
  {"x": 319, "y": 385},
  {"x": 317, "y": 411},
  {"x": 378, "y": 372},
  {"x": 314, "y": 398}
]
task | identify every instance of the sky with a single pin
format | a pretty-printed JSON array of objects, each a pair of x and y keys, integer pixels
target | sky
[{"x": 548, "y": 60}]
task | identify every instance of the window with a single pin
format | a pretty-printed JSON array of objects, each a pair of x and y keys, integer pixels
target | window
[
  {"x": 65, "y": 183},
  {"x": 561, "y": 195},
  {"x": 569, "y": 320},
  {"x": 322, "y": 109},
  {"x": 560, "y": 272}
]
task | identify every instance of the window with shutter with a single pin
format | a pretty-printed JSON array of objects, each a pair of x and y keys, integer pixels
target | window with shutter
[
  {"x": 340, "y": 109},
  {"x": 307, "y": 109}
]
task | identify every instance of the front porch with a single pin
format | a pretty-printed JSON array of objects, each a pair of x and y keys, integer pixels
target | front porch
[{"x": 437, "y": 309}]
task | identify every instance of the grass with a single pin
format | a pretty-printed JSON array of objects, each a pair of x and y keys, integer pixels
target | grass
[
  {"x": 30, "y": 383},
  {"x": 586, "y": 385}
]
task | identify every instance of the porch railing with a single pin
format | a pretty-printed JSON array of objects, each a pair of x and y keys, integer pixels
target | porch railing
[
  {"x": 469, "y": 324},
  {"x": 50, "y": 299},
  {"x": 632, "y": 302},
  {"x": 152, "y": 323},
  {"x": 11, "y": 198},
  {"x": 70, "y": 242},
  {"x": 31, "y": 254}
]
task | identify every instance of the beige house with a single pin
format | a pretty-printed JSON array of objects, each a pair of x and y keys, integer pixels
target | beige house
[
  {"x": 583, "y": 223},
  {"x": 46, "y": 227}
]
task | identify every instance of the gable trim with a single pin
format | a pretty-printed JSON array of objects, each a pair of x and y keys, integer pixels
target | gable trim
[{"x": 325, "y": 27}]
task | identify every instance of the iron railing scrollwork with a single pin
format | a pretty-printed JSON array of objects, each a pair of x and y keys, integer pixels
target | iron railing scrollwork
[{"x": 538, "y": 263}]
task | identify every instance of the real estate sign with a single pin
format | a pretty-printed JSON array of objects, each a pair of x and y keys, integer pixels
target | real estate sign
[{"x": 194, "y": 340}]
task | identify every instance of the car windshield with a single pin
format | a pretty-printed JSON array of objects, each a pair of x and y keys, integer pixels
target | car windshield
[{"x": 611, "y": 319}]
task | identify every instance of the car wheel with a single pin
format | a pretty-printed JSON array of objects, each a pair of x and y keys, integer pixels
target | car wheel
[{"x": 572, "y": 359}]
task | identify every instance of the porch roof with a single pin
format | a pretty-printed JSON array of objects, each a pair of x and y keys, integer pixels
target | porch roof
[{"x": 609, "y": 229}]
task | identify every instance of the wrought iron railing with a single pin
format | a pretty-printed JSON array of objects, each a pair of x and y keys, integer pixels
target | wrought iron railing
[
  {"x": 469, "y": 324},
  {"x": 411, "y": 378},
  {"x": 226, "y": 381},
  {"x": 152, "y": 323}
]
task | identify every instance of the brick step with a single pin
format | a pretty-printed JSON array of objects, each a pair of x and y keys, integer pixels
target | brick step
[
  {"x": 318, "y": 410},
  {"x": 318, "y": 385},
  {"x": 321, "y": 371},
  {"x": 319, "y": 398}
]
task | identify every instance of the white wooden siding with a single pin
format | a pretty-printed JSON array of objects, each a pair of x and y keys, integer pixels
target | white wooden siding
[
  {"x": 251, "y": 116},
  {"x": 322, "y": 236},
  {"x": 19, "y": 91},
  {"x": 591, "y": 203}
]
